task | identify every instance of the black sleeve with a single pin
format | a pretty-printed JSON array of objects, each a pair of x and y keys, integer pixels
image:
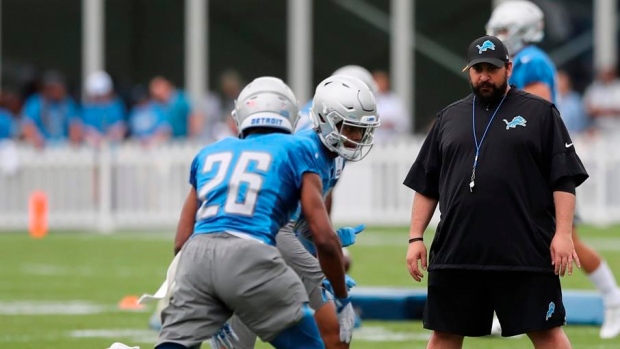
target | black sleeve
[
  {"x": 564, "y": 161},
  {"x": 565, "y": 184},
  {"x": 423, "y": 177}
]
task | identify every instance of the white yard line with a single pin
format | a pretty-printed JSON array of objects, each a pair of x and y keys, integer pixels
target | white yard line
[
  {"x": 382, "y": 334},
  {"x": 39, "y": 307},
  {"x": 129, "y": 336}
]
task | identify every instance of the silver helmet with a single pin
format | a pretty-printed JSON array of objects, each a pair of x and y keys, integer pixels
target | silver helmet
[
  {"x": 516, "y": 24},
  {"x": 266, "y": 102},
  {"x": 358, "y": 72},
  {"x": 344, "y": 103}
]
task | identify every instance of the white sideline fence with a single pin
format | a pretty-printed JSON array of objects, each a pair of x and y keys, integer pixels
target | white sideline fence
[{"x": 128, "y": 187}]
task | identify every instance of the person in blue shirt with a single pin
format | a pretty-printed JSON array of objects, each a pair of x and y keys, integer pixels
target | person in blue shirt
[
  {"x": 103, "y": 114},
  {"x": 519, "y": 24},
  {"x": 344, "y": 112},
  {"x": 570, "y": 105},
  {"x": 176, "y": 105},
  {"x": 7, "y": 125},
  {"x": 147, "y": 120},
  {"x": 51, "y": 116},
  {"x": 242, "y": 192}
]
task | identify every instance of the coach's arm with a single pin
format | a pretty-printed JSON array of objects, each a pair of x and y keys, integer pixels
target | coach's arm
[{"x": 421, "y": 213}]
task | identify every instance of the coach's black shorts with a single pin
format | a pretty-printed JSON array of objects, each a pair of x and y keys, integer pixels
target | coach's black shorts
[{"x": 462, "y": 302}]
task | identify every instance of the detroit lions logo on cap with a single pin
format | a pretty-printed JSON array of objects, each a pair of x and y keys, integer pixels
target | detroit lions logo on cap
[{"x": 485, "y": 46}]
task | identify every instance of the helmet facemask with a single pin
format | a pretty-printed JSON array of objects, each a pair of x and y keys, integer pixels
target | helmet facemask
[{"x": 351, "y": 139}]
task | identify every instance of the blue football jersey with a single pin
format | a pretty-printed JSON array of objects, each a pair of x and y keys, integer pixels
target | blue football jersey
[
  {"x": 331, "y": 169},
  {"x": 532, "y": 65},
  {"x": 251, "y": 186}
]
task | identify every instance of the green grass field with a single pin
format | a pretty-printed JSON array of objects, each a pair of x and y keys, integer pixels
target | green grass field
[{"x": 62, "y": 291}]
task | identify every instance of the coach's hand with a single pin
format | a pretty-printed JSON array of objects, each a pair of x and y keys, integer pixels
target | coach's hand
[
  {"x": 563, "y": 254},
  {"x": 346, "y": 318},
  {"x": 416, "y": 253},
  {"x": 347, "y": 234},
  {"x": 224, "y": 338}
]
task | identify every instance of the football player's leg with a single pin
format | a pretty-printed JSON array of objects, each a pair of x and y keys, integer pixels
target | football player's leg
[
  {"x": 603, "y": 279},
  {"x": 298, "y": 258},
  {"x": 327, "y": 321},
  {"x": 155, "y": 319},
  {"x": 309, "y": 270},
  {"x": 195, "y": 311},
  {"x": 246, "y": 338},
  {"x": 266, "y": 294},
  {"x": 303, "y": 335}
]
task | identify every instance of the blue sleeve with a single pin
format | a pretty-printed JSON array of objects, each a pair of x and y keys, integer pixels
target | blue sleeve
[
  {"x": 118, "y": 112},
  {"x": 73, "y": 110},
  {"x": 15, "y": 128},
  {"x": 533, "y": 71},
  {"x": 186, "y": 104},
  {"x": 192, "y": 172},
  {"x": 163, "y": 124},
  {"x": 32, "y": 110},
  {"x": 303, "y": 157}
]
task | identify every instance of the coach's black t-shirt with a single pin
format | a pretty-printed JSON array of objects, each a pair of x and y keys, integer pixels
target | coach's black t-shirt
[{"x": 508, "y": 222}]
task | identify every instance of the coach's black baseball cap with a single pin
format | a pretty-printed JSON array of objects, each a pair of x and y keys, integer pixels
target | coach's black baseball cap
[{"x": 487, "y": 49}]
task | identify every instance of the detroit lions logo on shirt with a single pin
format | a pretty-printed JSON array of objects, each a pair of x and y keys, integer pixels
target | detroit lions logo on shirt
[
  {"x": 485, "y": 46},
  {"x": 516, "y": 121},
  {"x": 550, "y": 311}
]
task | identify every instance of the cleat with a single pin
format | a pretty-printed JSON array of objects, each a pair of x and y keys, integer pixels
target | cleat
[{"x": 611, "y": 323}]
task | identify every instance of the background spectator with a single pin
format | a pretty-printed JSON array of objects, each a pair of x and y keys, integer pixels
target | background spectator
[
  {"x": 570, "y": 105},
  {"x": 395, "y": 118},
  {"x": 176, "y": 105},
  {"x": 218, "y": 120},
  {"x": 7, "y": 124},
  {"x": 602, "y": 100},
  {"x": 51, "y": 115},
  {"x": 148, "y": 122},
  {"x": 103, "y": 113}
]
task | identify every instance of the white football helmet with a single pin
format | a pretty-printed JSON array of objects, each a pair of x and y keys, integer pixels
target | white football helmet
[
  {"x": 344, "y": 103},
  {"x": 358, "y": 72},
  {"x": 266, "y": 102},
  {"x": 516, "y": 23}
]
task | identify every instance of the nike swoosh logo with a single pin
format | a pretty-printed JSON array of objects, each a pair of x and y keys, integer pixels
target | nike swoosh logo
[{"x": 568, "y": 145}]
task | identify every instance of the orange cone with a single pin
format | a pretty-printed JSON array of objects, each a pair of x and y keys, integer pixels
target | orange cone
[
  {"x": 130, "y": 303},
  {"x": 38, "y": 212}
]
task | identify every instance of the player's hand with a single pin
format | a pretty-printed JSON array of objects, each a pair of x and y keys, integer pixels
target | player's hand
[
  {"x": 563, "y": 254},
  {"x": 347, "y": 234},
  {"x": 224, "y": 338},
  {"x": 349, "y": 282},
  {"x": 416, "y": 252},
  {"x": 346, "y": 318}
]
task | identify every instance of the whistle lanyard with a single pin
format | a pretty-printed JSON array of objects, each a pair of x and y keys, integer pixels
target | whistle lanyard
[{"x": 479, "y": 145}]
